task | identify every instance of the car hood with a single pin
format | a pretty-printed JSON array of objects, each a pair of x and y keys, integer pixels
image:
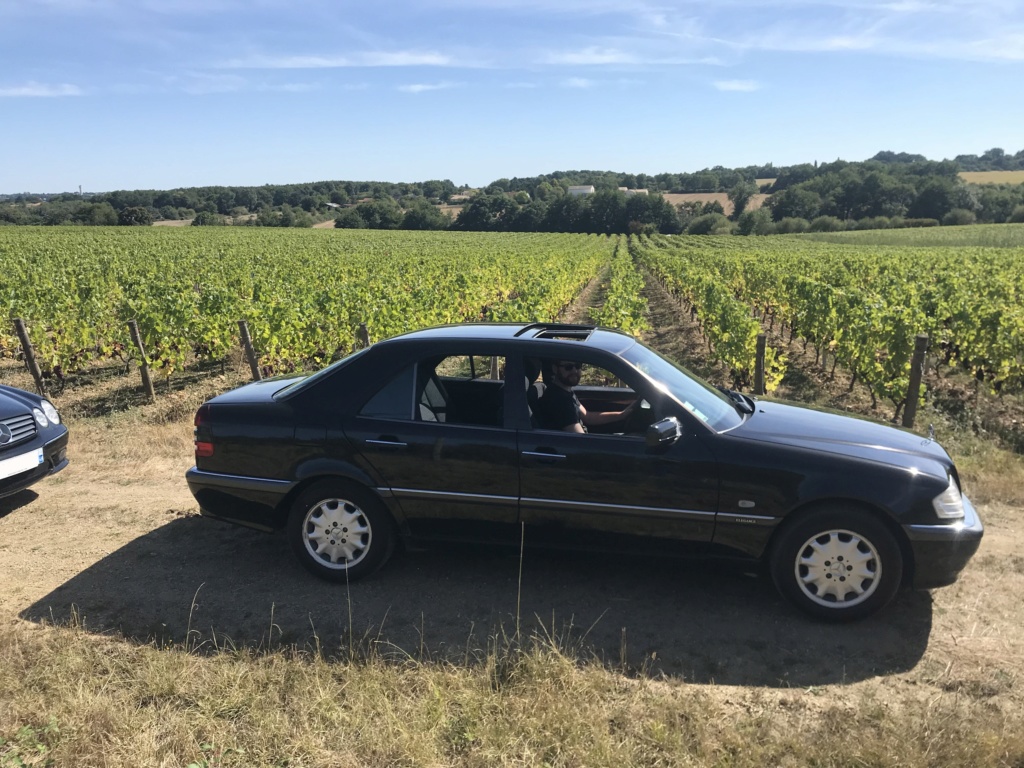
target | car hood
[
  {"x": 256, "y": 392},
  {"x": 820, "y": 430},
  {"x": 15, "y": 402}
]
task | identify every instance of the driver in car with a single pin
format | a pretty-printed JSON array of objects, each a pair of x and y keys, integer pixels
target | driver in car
[{"x": 560, "y": 409}]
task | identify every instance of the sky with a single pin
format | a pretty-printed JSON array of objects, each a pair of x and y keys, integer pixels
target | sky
[{"x": 159, "y": 94}]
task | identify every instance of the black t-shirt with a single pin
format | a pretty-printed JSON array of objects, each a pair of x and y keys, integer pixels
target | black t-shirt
[{"x": 558, "y": 409}]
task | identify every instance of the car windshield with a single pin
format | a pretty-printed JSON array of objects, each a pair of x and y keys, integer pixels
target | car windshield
[{"x": 705, "y": 402}]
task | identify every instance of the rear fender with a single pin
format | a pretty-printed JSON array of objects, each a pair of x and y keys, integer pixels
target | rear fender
[{"x": 314, "y": 470}]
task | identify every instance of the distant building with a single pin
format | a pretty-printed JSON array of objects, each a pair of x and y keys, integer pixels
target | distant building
[{"x": 587, "y": 189}]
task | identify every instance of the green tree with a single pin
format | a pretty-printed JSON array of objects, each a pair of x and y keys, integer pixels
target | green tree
[
  {"x": 710, "y": 224},
  {"x": 529, "y": 218},
  {"x": 740, "y": 196},
  {"x": 757, "y": 222},
  {"x": 934, "y": 199},
  {"x": 349, "y": 218},
  {"x": 606, "y": 213},
  {"x": 827, "y": 224},
  {"x": 96, "y": 214},
  {"x": 958, "y": 217},
  {"x": 791, "y": 226},
  {"x": 134, "y": 216},
  {"x": 422, "y": 215},
  {"x": 207, "y": 219},
  {"x": 794, "y": 203},
  {"x": 381, "y": 213}
]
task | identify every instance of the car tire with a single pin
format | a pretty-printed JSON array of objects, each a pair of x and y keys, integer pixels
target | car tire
[
  {"x": 837, "y": 564},
  {"x": 340, "y": 531}
]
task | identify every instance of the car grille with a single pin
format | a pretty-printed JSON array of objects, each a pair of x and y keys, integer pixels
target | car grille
[{"x": 19, "y": 427}]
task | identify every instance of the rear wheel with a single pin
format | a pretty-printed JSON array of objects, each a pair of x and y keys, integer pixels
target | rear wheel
[
  {"x": 838, "y": 564},
  {"x": 340, "y": 531}
]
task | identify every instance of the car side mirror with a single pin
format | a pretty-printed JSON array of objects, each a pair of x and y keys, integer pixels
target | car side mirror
[{"x": 664, "y": 433}]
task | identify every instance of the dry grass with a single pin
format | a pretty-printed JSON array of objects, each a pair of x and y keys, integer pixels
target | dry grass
[
  {"x": 70, "y": 699},
  {"x": 756, "y": 201},
  {"x": 993, "y": 177}
]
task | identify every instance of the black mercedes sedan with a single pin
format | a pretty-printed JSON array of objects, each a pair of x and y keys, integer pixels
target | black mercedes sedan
[
  {"x": 33, "y": 442},
  {"x": 577, "y": 436}
]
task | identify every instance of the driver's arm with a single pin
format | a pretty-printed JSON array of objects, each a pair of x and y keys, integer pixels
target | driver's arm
[{"x": 607, "y": 417}]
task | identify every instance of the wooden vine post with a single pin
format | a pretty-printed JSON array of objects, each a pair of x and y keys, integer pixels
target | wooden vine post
[
  {"x": 762, "y": 342},
  {"x": 362, "y": 336},
  {"x": 916, "y": 373},
  {"x": 30, "y": 355},
  {"x": 147, "y": 382},
  {"x": 250, "y": 353}
]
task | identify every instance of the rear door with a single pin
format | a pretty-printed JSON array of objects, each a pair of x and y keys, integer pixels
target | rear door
[{"x": 436, "y": 434}]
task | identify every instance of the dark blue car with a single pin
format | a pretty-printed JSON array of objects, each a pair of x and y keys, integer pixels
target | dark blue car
[
  {"x": 459, "y": 433},
  {"x": 33, "y": 442}
]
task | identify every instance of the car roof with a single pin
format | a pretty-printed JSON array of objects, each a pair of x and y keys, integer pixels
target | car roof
[{"x": 590, "y": 335}]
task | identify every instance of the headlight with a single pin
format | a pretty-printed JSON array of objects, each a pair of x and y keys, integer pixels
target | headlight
[
  {"x": 51, "y": 412},
  {"x": 949, "y": 505},
  {"x": 40, "y": 418}
]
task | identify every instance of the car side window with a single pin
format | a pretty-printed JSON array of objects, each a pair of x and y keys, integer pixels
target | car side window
[
  {"x": 472, "y": 388},
  {"x": 394, "y": 400},
  {"x": 453, "y": 389},
  {"x": 573, "y": 396}
]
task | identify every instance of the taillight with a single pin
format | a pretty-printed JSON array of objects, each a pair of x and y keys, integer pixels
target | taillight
[{"x": 204, "y": 448}]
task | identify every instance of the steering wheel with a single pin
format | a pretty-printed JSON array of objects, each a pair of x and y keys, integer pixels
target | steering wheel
[{"x": 641, "y": 418}]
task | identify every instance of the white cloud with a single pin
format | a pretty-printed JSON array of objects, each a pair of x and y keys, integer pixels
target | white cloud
[
  {"x": 200, "y": 83},
  {"x": 593, "y": 55},
  {"x": 40, "y": 90},
  {"x": 424, "y": 87},
  {"x": 293, "y": 87},
  {"x": 366, "y": 59},
  {"x": 744, "y": 86},
  {"x": 578, "y": 82}
]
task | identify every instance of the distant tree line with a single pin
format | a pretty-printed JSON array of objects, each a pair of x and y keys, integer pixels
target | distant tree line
[
  {"x": 889, "y": 190},
  {"x": 284, "y": 205}
]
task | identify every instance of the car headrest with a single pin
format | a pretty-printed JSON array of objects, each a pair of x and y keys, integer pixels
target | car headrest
[{"x": 531, "y": 366}]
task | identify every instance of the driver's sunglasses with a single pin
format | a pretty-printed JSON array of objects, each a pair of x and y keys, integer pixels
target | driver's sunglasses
[{"x": 571, "y": 366}]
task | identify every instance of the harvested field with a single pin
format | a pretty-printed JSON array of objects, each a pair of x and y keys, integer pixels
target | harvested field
[{"x": 721, "y": 197}]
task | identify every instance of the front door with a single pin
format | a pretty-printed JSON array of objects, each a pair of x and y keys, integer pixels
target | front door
[{"x": 607, "y": 488}]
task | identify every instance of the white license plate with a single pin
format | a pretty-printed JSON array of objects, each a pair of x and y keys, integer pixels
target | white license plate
[{"x": 23, "y": 463}]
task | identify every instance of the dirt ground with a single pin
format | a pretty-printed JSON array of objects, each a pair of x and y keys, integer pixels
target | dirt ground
[{"x": 115, "y": 542}]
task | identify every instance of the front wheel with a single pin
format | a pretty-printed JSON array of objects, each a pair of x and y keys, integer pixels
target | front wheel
[
  {"x": 340, "y": 532},
  {"x": 838, "y": 564}
]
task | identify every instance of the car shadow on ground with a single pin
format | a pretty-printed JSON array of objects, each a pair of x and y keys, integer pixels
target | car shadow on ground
[
  {"x": 16, "y": 501},
  {"x": 203, "y": 582}
]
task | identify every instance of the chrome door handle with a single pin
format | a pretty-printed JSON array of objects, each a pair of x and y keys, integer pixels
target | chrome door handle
[{"x": 388, "y": 443}]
